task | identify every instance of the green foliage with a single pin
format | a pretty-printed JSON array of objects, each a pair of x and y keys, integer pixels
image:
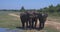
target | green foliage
[
  {"x": 49, "y": 9},
  {"x": 22, "y": 9}
]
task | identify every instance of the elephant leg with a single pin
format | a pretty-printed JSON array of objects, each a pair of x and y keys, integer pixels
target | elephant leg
[
  {"x": 26, "y": 24},
  {"x": 35, "y": 23},
  {"x": 43, "y": 25},
  {"x": 32, "y": 23},
  {"x": 40, "y": 23},
  {"x": 29, "y": 24},
  {"x": 23, "y": 24}
]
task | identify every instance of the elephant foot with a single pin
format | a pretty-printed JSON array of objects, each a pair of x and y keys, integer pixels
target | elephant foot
[
  {"x": 35, "y": 27},
  {"x": 40, "y": 28},
  {"x": 30, "y": 27},
  {"x": 26, "y": 26}
]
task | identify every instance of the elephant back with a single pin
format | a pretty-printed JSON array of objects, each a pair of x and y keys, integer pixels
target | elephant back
[
  {"x": 45, "y": 15},
  {"x": 24, "y": 16},
  {"x": 39, "y": 15}
]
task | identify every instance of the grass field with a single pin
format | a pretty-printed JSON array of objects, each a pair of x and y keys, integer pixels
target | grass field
[
  {"x": 54, "y": 16},
  {"x": 7, "y": 21}
]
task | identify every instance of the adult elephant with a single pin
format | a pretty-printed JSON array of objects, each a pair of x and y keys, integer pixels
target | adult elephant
[
  {"x": 35, "y": 17},
  {"x": 42, "y": 20},
  {"x": 28, "y": 18},
  {"x": 24, "y": 19},
  {"x": 32, "y": 19}
]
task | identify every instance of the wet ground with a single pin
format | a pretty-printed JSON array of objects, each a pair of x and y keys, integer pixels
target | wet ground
[
  {"x": 10, "y": 30},
  {"x": 16, "y": 30}
]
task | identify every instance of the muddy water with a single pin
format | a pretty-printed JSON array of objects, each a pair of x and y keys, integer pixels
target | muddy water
[
  {"x": 10, "y": 30},
  {"x": 17, "y": 30}
]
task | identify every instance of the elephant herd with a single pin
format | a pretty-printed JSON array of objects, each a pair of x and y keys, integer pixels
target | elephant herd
[{"x": 30, "y": 18}]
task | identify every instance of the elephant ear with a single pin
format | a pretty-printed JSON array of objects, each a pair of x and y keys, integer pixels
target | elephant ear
[{"x": 44, "y": 15}]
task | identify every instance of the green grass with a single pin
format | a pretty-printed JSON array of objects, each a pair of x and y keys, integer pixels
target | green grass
[
  {"x": 8, "y": 21},
  {"x": 54, "y": 16}
]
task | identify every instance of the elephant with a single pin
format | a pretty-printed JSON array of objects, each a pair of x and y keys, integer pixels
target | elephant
[
  {"x": 35, "y": 17},
  {"x": 42, "y": 20},
  {"x": 24, "y": 19},
  {"x": 28, "y": 18},
  {"x": 31, "y": 17}
]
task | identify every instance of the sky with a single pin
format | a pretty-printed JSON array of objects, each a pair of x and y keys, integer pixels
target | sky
[{"x": 28, "y": 4}]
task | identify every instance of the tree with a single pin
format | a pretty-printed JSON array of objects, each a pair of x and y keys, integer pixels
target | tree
[
  {"x": 22, "y": 9},
  {"x": 51, "y": 9},
  {"x": 45, "y": 9},
  {"x": 58, "y": 8}
]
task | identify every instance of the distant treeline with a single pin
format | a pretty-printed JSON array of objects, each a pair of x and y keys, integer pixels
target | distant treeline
[
  {"x": 8, "y": 10},
  {"x": 50, "y": 9}
]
